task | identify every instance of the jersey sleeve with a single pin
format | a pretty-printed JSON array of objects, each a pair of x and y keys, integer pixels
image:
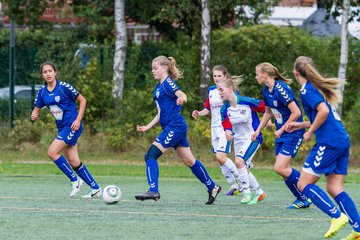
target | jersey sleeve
[
  {"x": 284, "y": 94},
  {"x": 170, "y": 87},
  {"x": 69, "y": 90},
  {"x": 259, "y": 107},
  {"x": 255, "y": 104},
  {"x": 311, "y": 98},
  {"x": 225, "y": 121},
  {"x": 38, "y": 100},
  {"x": 207, "y": 102}
]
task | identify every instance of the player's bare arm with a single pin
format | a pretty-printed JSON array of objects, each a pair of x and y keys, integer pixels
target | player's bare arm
[{"x": 35, "y": 114}]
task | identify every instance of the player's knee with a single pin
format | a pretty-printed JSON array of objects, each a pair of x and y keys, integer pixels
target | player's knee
[
  {"x": 153, "y": 153},
  {"x": 239, "y": 162},
  {"x": 52, "y": 154},
  {"x": 221, "y": 157},
  {"x": 334, "y": 190},
  {"x": 189, "y": 161},
  {"x": 279, "y": 169}
]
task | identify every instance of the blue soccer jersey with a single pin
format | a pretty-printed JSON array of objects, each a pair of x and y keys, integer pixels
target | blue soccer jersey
[
  {"x": 242, "y": 120},
  {"x": 278, "y": 100},
  {"x": 165, "y": 100},
  {"x": 61, "y": 103},
  {"x": 331, "y": 132}
]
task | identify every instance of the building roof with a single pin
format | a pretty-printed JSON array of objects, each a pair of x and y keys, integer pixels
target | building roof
[
  {"x": 313, "y": 20},
  {"x": 317, "y": 24}
]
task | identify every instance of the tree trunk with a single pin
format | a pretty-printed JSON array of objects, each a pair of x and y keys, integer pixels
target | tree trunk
[
  {"x": 205, "y": 48},
  {"x": 344, "y": 50},
  {"x": 120, "y": 49}
]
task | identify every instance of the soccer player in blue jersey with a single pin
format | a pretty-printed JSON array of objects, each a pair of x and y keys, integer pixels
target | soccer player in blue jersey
[
  {"x": 220, "y": 145},
  {"x": 330, "y": 155},
  {"x": 59, "y": 97},
  {"x": 240, "y": 120},
  {"x": 281, "y": 103},
  {"x": 169, "y": 100}
]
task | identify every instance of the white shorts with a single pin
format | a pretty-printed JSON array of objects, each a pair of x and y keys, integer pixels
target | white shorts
[
  {"x": 218, "y": 140},
  {"x": 246, "y": 149}
]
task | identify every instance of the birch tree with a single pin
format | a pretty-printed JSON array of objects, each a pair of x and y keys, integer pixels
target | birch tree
[
  {"x": 120, "y": 50},
  {"x": 205, "y": 48},
  {"x": 344, "y": 50}
]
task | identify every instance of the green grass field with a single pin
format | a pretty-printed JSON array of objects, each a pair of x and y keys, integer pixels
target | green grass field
[{"x": 37, "y": 206}]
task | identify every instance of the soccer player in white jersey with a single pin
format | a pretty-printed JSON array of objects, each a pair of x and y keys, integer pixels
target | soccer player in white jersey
[
  {"x": 240, "y": 120},
  {"x": 281, "y": 103},
  {"x": 59, "y": 97},
  {"x": 330, "y": 154},
  {"x": 169, "y": 100},
  {"x": 220, "y": 145}
]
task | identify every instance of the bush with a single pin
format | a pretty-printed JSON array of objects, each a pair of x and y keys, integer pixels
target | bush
[
  {"x": 24, "y": 131},
  {"x": 240, "y": 50}
]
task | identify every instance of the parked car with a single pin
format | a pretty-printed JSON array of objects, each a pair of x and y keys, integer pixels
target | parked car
[{"x": 22, "y": 92}]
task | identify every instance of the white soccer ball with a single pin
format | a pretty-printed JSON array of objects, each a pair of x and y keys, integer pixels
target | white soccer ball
[{"x": 111, "y": 194}]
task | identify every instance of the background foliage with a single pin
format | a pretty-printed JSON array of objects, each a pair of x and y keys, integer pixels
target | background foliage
[{"x": 240, "y": 50}]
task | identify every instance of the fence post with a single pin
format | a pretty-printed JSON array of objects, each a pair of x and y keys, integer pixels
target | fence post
[{"x": 11, "y": 73}]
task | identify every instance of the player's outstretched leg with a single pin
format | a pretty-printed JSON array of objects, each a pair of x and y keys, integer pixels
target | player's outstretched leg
[
  {"x": 348, "y": 206},
  {"x": 152, "y": 174},
  {"x": 301, "y": 200},
  {"x": 324, "y": 203},
  {"x": 234, "y": 186},
  {"x": 65, "y": 167},
  {"x": 85, "y": 175},
  {"x": 200, "y": 172}
]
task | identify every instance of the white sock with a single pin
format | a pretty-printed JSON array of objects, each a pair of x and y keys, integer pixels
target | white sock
[
  {"x": 230, "y": 165},
  {"x": 254, "y": 185},
  {"x": 229, "y": 177},
  {"x": 244, "y": 177}
]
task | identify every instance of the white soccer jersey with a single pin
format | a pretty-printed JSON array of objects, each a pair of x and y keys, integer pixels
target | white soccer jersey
[{"x": 214, "y": 103}]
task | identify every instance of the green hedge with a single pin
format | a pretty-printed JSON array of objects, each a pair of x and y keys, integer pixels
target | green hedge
[{"x": 238, "y": 49}]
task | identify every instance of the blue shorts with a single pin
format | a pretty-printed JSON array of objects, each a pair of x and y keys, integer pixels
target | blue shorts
[
  {"x": 69, "y": 136},
  {"x": 324, "y": 159},
  {"x": 290, "y": 147},
  {"x": 172, "y": 138}
]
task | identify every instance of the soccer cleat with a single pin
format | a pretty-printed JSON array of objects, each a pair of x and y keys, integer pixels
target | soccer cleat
[
  {"x": 336, "y": 224},
  {"x": 148, "y": 196},
  {"x": 76, "y": 187},
  {"x": 93, "y": 193},
  {"x": 213, "y": 194},
  {"x": 261, "y": 197},
  {"x": 232, "y": 192},
  {"x": 246, "y": 198},
  {"x": 256, "y": 198},
  {"x": 353, "y": 236},
  {"x": 300, "y": 204}
]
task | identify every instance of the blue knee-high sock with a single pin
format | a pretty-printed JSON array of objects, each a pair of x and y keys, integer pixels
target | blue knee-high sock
[
  {"x": 321, "y": 200},
  {"x": 85, "y": 175},
  {"x": 152, "y": 174},
  {"x": 200, "y": 172},
  {"x": 348, "y": 207},
  {"x": 291, "y": 183},
  {"x": 65, "y": 167}
]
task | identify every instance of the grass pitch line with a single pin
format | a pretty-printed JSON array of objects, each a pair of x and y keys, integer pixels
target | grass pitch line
[{"x": 166, "y": 214}]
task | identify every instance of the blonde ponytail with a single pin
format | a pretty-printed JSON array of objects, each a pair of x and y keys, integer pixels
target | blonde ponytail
[
  {"x": 170, "y": 62},
  {"x": 273, "y": 72},
  {"x": 328, "y": 87}
]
